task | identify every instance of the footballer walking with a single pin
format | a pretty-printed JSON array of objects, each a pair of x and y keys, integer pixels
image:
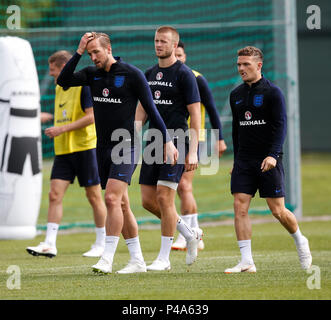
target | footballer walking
[{"x": 258, "y": 133}]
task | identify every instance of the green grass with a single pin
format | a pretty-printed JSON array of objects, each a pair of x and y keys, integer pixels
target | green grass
[
  {"x": 316, "y": 186},
  {"x": 69, "y": 275},
  {"x": 279, "y": 276},
  {"x": 212, "y": 192}
]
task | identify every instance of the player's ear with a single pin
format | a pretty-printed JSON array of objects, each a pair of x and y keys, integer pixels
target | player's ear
[
  {"x": 109, "y": 51},
  {"x": 259, "y": 65}
]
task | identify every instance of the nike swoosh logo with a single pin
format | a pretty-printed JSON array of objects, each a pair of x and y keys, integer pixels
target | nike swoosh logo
[
  {"x": 171, "y": 175},
  {"x": 121, "y": 175},
  {"x": 237, "y": 102},
  {"x": 62, "y": 104},
  {"x": 97, "y": 78}
]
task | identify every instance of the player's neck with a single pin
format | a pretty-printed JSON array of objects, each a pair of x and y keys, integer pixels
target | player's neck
[
  {"x": 111, "y": 61},
  {"x": 165, "y": 63},
  {"x": 258, "y": 78}
]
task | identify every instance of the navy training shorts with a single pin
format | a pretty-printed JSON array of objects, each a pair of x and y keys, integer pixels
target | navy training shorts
[
  {"x": 119, "y": 166},
  {"x": 150, "y": 174},
  {"x": 82, "y": 164},
  {"x": 247, "y": 177}
]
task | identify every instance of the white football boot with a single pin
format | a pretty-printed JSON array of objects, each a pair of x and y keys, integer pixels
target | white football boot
[
  {"x": 133, "y": 267},
  {"x": 43, "y": 249},
  {"x": 179, "y": 244},
  {"x": 201, "y": 245},
  {"x": 159, "y": 265},
  {"x": 304, "y": 254},
  {"x": 192, "y": 246},
  {"x": 96, "y": 251},
  {"x": 103, "y": 266},
  {"x": 241, "y": 267}
]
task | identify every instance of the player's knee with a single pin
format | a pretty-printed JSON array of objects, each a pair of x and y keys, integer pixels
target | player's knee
[
  {"x": 93, "y": 197},
  {"x": 162, "y": 200},
  {"x": 112, "y": 200},
  {"x": 184, "y": 187},
  {"x": 278, "y": 213},
  {"x": 54, "y": 196},
  {"x": 240, "y": 209}
]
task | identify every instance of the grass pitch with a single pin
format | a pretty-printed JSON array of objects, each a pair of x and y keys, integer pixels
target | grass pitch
[
  {"x": 279, "y": 276},
  {"x": 69, "y": 275}
]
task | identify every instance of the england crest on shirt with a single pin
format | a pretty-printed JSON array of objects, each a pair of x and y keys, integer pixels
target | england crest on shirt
[
  {"x": 258, "y": 100},
  {"x": 119, "y": 81},
  {"x": 159, "y": 76}
]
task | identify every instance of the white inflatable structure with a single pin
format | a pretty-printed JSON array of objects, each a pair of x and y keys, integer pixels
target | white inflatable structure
[{"x": 20, "y": 140}]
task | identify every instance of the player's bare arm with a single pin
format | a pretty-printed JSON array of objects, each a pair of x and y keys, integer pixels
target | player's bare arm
[
  {"x": 140, "y": 117},
  {"x": 191, "y": 160},
  {"x": 170, "y": 151},
  {"x": 78, "y": 124}
]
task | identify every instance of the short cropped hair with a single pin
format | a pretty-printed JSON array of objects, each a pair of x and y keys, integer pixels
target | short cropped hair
[
  {"x": 103, "y": 38},
  {"x": 251, "y": 52},
  {"x": 173, "y": 31},
  {"x": 60, "y": 58}
]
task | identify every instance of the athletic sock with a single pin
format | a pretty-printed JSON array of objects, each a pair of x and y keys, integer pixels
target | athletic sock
[
  {"x": 166, "y": 243},
  {"x": 100, "y": 236},
  {"x": 184, "y": 229},
  {"x": 194, "y": 220},
  {"x": 246, "y": 251},
  {"x": 110, "y": 247},
  {"x": 135, "y": 249},
  {"x": 297, "y": 236},
  {"x": 51, "y": 233},
  {"x": 186, "y": 218}
]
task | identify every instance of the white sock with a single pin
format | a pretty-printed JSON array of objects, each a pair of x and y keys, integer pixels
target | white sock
[
  {"x": 110, "y": 247},
  {"x": 166, "y": 243},
  {"x": 135, "y": 249},
  {"x": 51, "y": 233},
  {"x": 100, "y": 236},
  {"x": 246, "y": 251},
  {"x": 184, "y": 229},
  {"x": 186, "y": 218},
  {"x": 297, "y": 236},
  {"x": 194, "y": 220}
]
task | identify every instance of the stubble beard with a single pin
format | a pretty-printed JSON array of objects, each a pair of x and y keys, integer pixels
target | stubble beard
[{"x": 166, "y": 55}]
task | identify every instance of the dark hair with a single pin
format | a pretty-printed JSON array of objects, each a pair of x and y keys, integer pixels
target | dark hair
[
  {"x": 251, "y": 51},
  {"x": 181, "y": 44}
]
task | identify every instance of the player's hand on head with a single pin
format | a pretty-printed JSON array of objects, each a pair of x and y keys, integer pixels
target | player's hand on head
[{"x": 86, "y": 38}]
